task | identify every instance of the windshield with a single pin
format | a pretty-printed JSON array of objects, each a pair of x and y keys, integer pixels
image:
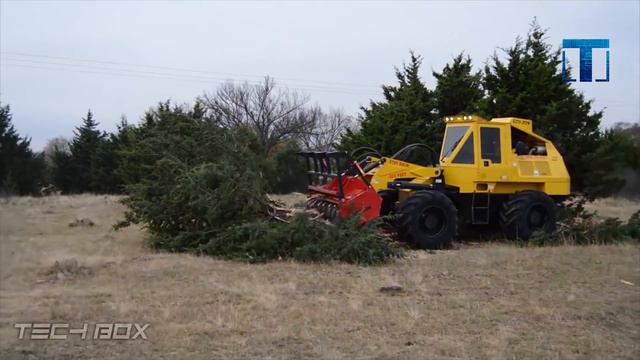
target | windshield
[{"x": 454, "y": 135}]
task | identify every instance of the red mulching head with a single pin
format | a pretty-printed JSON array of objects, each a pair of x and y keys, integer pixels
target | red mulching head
[{"x": 359, "y": 198}]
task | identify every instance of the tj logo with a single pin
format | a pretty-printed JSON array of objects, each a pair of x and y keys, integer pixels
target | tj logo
[{"x": 586, "y": 58}]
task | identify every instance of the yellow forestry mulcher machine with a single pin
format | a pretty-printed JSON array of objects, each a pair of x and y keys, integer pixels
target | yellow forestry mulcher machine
[{"x": 494, "y": 171}]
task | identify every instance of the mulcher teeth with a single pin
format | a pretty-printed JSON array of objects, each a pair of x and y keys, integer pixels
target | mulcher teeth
[{"x": 327, "y": 209}]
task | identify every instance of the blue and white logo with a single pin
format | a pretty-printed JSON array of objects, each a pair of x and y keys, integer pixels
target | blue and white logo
[{"x": 586, "y": 47}]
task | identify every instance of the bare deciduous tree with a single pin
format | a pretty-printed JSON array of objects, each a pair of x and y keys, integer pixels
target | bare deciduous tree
[
  {"x": 58, "y": 144},
  {"x": 325, "y": 129},
  {"x": 274, "y": 114}
]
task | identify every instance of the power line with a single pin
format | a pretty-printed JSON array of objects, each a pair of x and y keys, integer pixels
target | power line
[
  {"x": 310, "y": 87},
  {"x": 161, "y": 76},
  {"x": 104, "y": 62}
]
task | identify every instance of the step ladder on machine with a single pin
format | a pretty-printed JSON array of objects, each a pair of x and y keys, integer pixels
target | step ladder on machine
[{"x": 480, "y": 208}]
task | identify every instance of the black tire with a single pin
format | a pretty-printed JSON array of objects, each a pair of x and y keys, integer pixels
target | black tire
[
  {"x": 526, "y": 212},
  {"x": 428, "y": 220},
  {"x": 389, "y": 200}
]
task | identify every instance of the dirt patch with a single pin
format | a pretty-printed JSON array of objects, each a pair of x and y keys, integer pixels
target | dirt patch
[
  {"x": 392, "y": 289},
  {"x": 84, "y": 222},
  {"x": 293, "y": 200}
]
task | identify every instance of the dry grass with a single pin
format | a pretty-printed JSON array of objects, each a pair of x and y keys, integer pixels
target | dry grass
[
  {"x": 491, "y": 301},
  {"x": 614, "y": 207}
]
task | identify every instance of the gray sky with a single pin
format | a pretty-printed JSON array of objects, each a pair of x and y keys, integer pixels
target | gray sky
[{"x": 337, "y": 52}]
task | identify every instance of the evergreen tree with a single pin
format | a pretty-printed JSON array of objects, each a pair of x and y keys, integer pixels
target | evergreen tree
[
  {"x": 616, "y": 155},
  {"x": 529, "y": 85},
  {"x": 405, "y": 116},
  {"x": 10, "y": 145},
  {"x": 21, "y": 171},
  {"x": 458, "y": 89},
  {"x": 172, "y": 131},
  {"x": 62, "y": 170},
  {"x": 104, "y": 163},
  {"x": 86, "y": 142}
]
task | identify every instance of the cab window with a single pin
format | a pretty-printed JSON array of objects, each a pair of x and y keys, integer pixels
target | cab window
[
  {"x": 465, "y": 155},
  {"x": 526, "y": 144},
  {"x": 453, "y": 137},
  {"x": 490, "y": 144}
]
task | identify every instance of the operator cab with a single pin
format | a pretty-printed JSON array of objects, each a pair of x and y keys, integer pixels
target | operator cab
[
  {"x": 463, "y": 132},
  {"x": 499, "y": 155}
]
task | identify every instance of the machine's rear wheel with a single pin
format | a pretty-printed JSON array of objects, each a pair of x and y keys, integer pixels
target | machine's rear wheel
[
  {"x": 428, "y": 220},
  {"x": 526, "y": 212}
]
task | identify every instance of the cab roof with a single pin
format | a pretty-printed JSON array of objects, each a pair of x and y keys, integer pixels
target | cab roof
[{"x": 522, "y": 124}]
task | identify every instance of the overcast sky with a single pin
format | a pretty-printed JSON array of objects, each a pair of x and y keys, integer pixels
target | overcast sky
[{"x": 337, "y": 52}]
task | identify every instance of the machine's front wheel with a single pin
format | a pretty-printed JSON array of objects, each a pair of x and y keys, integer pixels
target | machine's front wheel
[
  {"x": 526, "y": 212},
  {"x": 428, "y": 220}
]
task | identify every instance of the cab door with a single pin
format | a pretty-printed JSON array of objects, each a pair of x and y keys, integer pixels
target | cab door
[{"x": 492, "y": 164}]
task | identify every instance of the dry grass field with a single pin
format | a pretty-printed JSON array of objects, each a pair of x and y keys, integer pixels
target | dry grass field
[
  {"x": 486, "y": 301},
  {"x": 614, "y": 207}
]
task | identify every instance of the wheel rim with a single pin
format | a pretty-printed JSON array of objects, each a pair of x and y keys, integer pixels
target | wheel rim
[
  {"x": 433, "y": 221},
  {"x": 537, "y": 217}
]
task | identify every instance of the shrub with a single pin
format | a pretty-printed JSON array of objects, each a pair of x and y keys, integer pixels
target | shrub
[
  {"x": 189, "y": 180},
  {"x": 197, "y": 187},
  {"x": 286, "y": 171},
  {"x": 303, "y": 240},
  {"x": 184, "y": 207},
  {"x": 580, "y": 227}
]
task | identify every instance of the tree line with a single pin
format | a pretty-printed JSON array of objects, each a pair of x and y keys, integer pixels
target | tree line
[
  {"x": 524, "y": 81},
  {"x": 274, "y": 123}
]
